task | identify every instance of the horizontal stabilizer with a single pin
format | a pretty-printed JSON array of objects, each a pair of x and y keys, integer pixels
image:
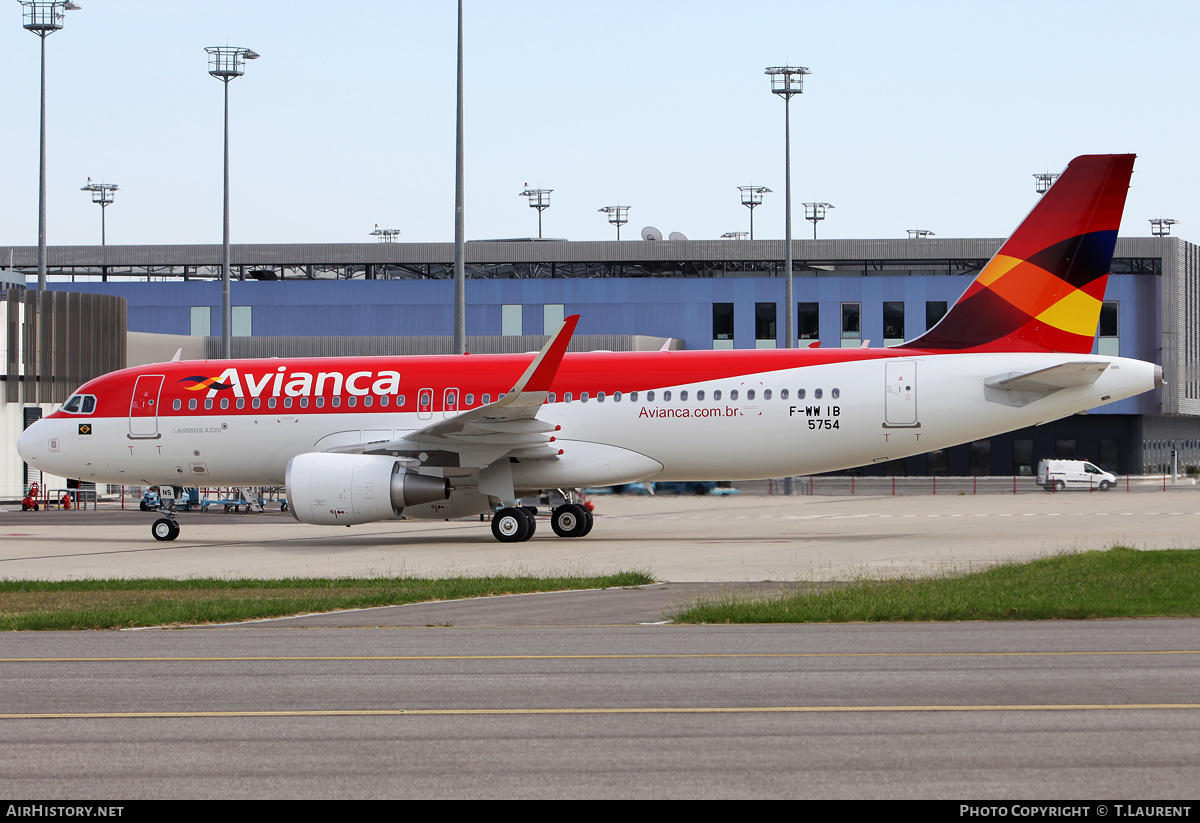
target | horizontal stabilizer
[{"x": 1062, "y": 376}]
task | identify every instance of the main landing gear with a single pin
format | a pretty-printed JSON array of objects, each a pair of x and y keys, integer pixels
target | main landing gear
[{"x": 517, "y": 524}]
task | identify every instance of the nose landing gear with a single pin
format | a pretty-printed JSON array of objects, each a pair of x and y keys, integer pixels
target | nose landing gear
[{"x": 165, "y": 528}]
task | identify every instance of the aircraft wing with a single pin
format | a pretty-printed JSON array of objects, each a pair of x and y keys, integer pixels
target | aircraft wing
[{"x": 507, "y": 427}]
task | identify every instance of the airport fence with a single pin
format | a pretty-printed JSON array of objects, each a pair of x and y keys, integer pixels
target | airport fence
[{"x": 877, "y": 486}]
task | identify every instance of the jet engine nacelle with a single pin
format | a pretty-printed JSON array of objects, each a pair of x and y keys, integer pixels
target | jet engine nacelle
[{"x": 331, "y": 489}]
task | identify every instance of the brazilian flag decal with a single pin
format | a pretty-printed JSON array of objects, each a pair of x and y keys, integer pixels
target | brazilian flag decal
[{"x": 85, "y": 428}]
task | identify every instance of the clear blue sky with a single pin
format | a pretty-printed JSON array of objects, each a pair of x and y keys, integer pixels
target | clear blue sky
[{"x": 918, "y": 114}]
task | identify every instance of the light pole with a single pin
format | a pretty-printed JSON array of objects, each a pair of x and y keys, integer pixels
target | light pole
[
  {"x": 1161, "y": 226},
  {"x": 1042, "y": 181},
  {"x": 751, "y": 197},
  {"x": 385, "y": 235},
  {"x": 816, "y": 213},
  {"x": 43, "y": 17},
  {"x": 102, "y": 194},
  {"x": 226, "y": 63},
  {"x": 538, "y": 199},
  {"x": 460, "y": 224},
  {"x": 617, "y": 215},
  {"x": 787, "y": 81}
]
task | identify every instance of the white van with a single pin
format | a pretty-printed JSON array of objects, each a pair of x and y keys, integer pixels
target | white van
[{"x": 1060, "y": 475}]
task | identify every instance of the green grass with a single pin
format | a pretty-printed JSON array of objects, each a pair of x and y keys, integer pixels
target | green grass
[
  {"x": 117, "y": 604},
  {"x": 1119, "y": 582}
]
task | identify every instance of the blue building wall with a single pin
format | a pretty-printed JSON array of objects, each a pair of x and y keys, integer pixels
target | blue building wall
[{"x": 678, "y": 307}]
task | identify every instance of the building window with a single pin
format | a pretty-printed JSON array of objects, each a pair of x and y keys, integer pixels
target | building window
[
  {"x": 893, "y": 324},
  {"x": 935, "y": 310},
  {"x": 1022, "y": 457},
  {"x": 939, "y": 462},
  {"x": 239, "y": 321},
  {"x": 1108, "y": 342},
  {"x": 553, "y": 315},
  {"x": 851, "y": 325},
  {"x": 722, "y": 325},
  {"x": 1064, "y": 449},
  {"x": 510, "y": 320},
  {"x": 808, "y": 326},
  {"x": 1108, "y": 454},
  {"x": 764, "y": 325},
  {"x": 981, "y": 457},
  {"x": 201, "y": 321}
]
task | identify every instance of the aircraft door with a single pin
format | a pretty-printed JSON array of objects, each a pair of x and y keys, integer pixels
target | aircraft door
[
  {"x": 143, "y": 409},
  {"x": 450, "y": 403},
  {"x": 900, "y": 397},
  {"x": 425, "y": 404}
]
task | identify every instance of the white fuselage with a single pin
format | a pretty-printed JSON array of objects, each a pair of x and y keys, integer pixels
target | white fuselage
[{"x": 775, "y": 423}]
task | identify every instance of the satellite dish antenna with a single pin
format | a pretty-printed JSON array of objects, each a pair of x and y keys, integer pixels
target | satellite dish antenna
[
  {"x": 651, "y": 233},
  {"x": 677, "y": 235}
]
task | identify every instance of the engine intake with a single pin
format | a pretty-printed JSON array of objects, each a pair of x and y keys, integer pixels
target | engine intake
[{"x": 331, "y": 489}]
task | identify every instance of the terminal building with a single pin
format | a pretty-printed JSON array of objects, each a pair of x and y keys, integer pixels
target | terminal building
[{"x": 112, "y": 306}]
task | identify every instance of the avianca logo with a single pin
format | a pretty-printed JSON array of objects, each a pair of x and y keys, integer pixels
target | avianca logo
[
  {"x": 200, "y": 382},
  {"x": 280, "y": 383}
]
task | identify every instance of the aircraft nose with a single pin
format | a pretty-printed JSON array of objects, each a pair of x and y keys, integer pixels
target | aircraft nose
[{"x": 25, "y": 444}]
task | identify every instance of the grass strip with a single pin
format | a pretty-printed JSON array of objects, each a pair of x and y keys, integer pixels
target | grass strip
[
  {"x": 1118, "y": 582},
  {"x": 119, "y": 604}
]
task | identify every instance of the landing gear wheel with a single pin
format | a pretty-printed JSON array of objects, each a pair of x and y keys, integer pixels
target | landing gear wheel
[
  {"x": 570, "y": 520},
  {"x": 591, "y": 521},
  {"x": 512, "y": 525},
  {"x": 165, "y": 529},
  {"x": 530, "y": 519}
]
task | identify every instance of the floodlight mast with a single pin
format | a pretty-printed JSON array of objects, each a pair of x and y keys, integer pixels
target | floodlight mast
[
  {"x": 1042, "y": 181},
  {"x": 460, "y": 224},
  {"x": 787, "y": 81},
  {"x": 385, "y": 235},
  {"x": 102, "y": 195},
  {"x": 1161, "y": 226},
  {"x": 752, "y": 197},
  {"x": 226, "y": 63},
  {"x": 815, "y": 212},
  {"x": 538, "y": 199},
  {"x": 43, "y": 18},
  {"x": 617, "y": 215}
]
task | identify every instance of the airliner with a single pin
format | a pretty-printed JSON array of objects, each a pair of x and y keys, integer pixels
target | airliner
[{"x": 362, "y": 439}]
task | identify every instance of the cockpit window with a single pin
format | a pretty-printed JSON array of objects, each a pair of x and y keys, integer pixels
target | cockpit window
[{"x": 80, "y": 404}]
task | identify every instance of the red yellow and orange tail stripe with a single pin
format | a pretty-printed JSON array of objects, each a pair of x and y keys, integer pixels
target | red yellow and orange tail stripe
[{"x": 1043, "y": 289}]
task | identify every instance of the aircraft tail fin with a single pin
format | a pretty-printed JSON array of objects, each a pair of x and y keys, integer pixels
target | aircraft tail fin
[{"x": 1044, "y": 288}]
